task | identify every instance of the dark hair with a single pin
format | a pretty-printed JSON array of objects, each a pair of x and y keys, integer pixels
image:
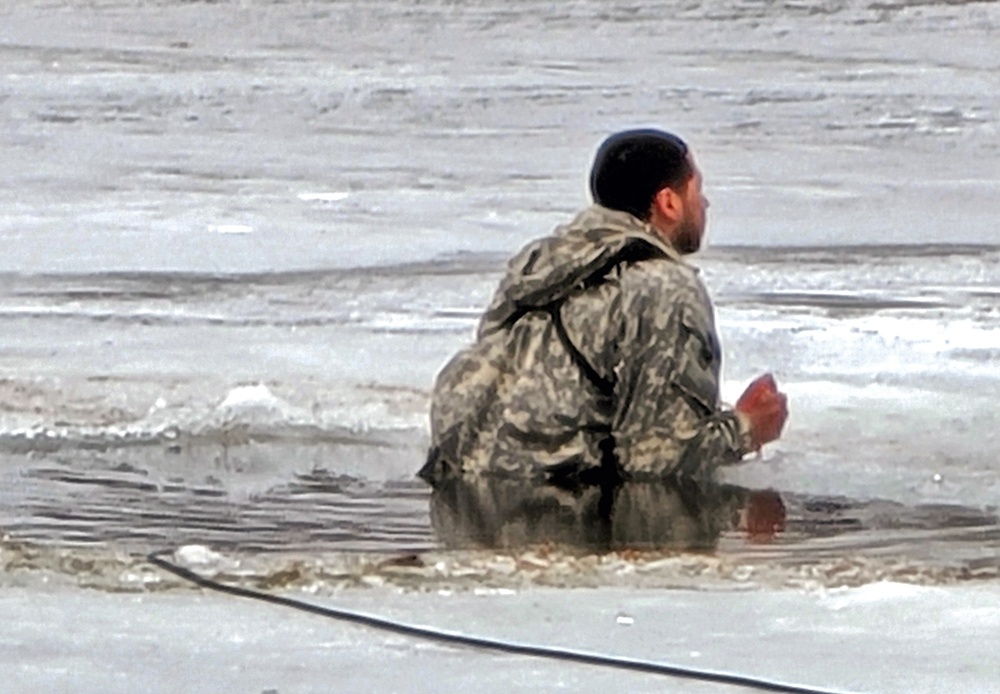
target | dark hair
[{"x": 631, "y": 167}]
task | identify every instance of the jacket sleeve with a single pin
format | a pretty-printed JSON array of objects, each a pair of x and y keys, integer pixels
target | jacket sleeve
[{"x": 668, "y": 419}]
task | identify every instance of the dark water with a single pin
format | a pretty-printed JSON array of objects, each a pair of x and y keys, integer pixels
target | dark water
[{"x": 93, "y": 517}]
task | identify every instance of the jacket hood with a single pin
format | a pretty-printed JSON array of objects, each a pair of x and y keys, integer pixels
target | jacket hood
[{"x": 549, "y": 269}]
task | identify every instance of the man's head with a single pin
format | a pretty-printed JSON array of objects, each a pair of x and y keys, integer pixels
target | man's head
[{"x": 651, "y": 175}]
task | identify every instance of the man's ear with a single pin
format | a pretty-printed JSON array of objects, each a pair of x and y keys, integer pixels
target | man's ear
[{"x": 668, "y": 206}]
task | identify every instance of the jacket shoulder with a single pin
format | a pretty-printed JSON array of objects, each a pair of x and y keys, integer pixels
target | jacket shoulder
[{"x": 662, "y": 278}]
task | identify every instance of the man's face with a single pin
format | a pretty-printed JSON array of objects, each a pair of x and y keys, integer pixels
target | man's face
[{"x": 687, "y": 238}]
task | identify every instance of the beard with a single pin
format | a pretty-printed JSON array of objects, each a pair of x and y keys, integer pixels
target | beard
[{"x": 687, "y": 238}]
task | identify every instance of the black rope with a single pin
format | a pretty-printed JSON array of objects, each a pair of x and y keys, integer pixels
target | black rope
[{"x": 483, "y": 643}]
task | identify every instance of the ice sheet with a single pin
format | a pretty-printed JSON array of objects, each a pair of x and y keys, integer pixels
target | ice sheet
[{"x": 883, "y": 638}]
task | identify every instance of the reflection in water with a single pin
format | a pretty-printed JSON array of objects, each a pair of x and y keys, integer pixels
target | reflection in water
[{"x": 673, "y": 513}]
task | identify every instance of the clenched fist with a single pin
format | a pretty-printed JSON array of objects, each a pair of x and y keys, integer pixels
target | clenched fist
[{"x": 764, "y": 408}]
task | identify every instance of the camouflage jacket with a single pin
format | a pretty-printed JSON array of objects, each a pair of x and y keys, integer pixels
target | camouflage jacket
[{"x": 599, "y": 348}]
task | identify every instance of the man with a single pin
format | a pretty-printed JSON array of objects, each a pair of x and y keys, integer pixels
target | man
[{"x": 598, "y": 357}]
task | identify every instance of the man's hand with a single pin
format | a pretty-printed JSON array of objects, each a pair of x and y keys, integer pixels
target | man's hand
[{"x": 764, "y": 408}]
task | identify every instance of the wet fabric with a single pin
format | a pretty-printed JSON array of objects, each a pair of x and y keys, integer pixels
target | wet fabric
[{"x": 598, "y": 355}]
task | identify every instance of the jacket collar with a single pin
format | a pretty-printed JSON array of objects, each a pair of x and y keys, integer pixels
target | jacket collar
[{"x": 632, "y": 227}]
